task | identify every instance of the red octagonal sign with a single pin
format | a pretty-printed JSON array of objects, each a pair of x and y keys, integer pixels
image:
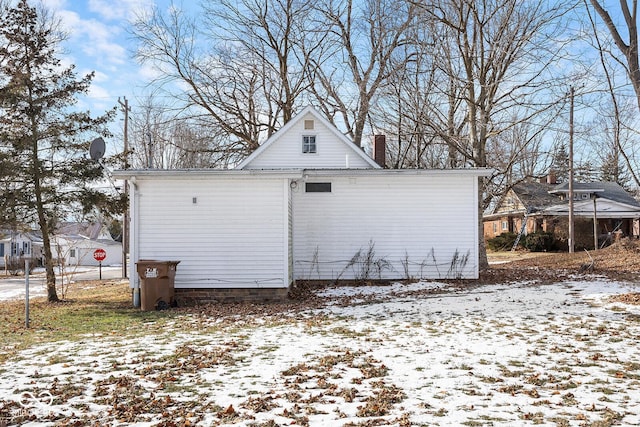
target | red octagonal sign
[{"x": 99, "y": 254}]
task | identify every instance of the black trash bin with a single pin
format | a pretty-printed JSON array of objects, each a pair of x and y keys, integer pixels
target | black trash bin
[{"x": 157, "y": 290}]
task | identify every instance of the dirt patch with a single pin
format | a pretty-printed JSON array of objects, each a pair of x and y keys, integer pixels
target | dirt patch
[
  {"x": 621, "y": 257},
  {"x": 620, "y": 261}
]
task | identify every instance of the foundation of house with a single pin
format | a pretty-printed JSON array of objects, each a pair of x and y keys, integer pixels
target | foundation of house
[{"x": 197, "y": 296}]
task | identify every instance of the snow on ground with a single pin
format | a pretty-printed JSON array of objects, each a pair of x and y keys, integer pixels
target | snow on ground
[{"x": 401, "y": 355}]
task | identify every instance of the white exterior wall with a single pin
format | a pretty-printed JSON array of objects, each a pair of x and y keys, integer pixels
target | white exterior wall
[
  {"x": 286, "y": 152},
  {"x": 20, "y": 242},
  {"x": 234, "y": 236},
  {"x": 84, "y": 252},
  {"x": 422, "y": 219}
]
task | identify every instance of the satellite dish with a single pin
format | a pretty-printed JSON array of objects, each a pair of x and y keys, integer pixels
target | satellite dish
[{"x": 97, "y": 149}]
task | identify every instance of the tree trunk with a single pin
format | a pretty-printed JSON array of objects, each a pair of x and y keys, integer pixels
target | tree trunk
[
  {"x": 483, "y": 261},
  {"x": 52, "y": 295}
]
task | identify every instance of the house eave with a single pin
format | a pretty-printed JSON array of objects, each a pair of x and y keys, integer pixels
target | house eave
[
  {"x": 396, "y": 172},
  {"x": 222, "y": 173},
  {"x": 291, "y": 173}
]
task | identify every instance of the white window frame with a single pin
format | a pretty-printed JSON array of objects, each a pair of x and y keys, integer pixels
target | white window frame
[{"x": 309, "y": 144}]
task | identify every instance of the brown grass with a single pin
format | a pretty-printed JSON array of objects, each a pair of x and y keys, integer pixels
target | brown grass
[{"x": 96, "y": 308}]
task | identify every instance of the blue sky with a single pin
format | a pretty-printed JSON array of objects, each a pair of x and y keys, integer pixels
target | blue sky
[{"x": 99, "y": 41}]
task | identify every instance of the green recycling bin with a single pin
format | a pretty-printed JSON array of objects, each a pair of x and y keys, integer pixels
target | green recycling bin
[{"x": 157, "y": 290}]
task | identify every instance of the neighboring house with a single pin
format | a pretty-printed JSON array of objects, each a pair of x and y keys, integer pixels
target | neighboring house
[
  {"x": 75, "y": 243},
  {"x": 544, "y": 206},
  {"x": 308, "y": 204},
  {"x": 16, "y": 244}
]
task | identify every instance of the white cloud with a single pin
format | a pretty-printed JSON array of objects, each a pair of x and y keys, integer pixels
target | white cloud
[
  {"x": 96, "y": 91},
  {"x": 100, "y": 77},
  {"x": 149, "y": 72},
  {"x": 119, "y": 9},
  {"x": 101, "y": 42}
]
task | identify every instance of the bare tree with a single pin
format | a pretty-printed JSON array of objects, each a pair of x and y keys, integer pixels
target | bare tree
[
  {"x": 205, "y": 83},
  {"x": 404, "y": 107},
  {"x": 501, "y": 53},
  {"x": 240, "y": 68},
  {"x": 628, "y": 48},
  {"x": 356, "y": 59},
  {"x": 630, "y": 51},
  {"x": 163, "y": 139},
  {"x": 271, "y": 34}
]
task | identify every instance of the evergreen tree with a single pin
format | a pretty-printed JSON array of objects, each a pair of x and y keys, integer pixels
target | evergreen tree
[
  {"x": 560, "y": 163},
  {"x": 41, "y": 136},
  {"x": 585, "y": 172},
  {"x": 612, "y": 170}
]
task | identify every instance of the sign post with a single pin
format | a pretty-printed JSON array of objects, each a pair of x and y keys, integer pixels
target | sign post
[
  {"x": 100, "y": 255},
  {"x": 26, "y": 292}
]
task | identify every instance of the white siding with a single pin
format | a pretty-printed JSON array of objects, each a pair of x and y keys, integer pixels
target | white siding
[
  {"x": 286, "y": 152},
  {"x": 84, "y": 253},
  {"x": 231, "y": 237},
  {"x": 418, "y": 221}
]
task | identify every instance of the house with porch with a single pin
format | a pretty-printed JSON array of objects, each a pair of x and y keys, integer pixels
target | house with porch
[
  {"x": 307, "y": 205},
  {"x": 544, "y": 206},
  {"x": 17, "y": 245}
]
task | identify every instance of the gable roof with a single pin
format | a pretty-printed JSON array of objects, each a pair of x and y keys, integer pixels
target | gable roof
[
  {"x": 603, "y": 189},
  {"x": 534, "y": 195},
  {"x": 82, "y": 230},
  {"x": 545, "y": 198},
  {"x": 340, "y": 138}
]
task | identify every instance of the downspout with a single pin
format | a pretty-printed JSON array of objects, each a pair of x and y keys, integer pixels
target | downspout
[
  {"x": 595, "y": 222},
  {"x": 134, "y": 280}
]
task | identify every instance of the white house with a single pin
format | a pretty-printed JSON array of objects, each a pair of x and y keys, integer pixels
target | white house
[
  {"x": 75, "y": 243},
  {"x": 16, "y": 245},
  {"x": 307, "y": 205}
]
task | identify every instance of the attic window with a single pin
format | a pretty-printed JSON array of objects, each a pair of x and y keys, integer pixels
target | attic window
[
  {"x": 309, "y": 144},
  {"x": 308, "y": 124},
  {"x": 317, "y": 187}
]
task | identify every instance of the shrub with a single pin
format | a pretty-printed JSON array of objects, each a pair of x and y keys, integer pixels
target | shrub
[
  {"x": 539, "y": 241},
  {"x": 502, "y": 242}
]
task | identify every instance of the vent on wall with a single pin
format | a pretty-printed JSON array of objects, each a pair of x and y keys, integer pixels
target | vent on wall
[
  {"x": 308, "y": 124},
  {"x": 317, "y": 187}
]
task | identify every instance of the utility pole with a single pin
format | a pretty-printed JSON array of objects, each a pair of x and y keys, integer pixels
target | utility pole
[
  {"x": 125, "y": 218},
  {"x": 571, "y": 228}
]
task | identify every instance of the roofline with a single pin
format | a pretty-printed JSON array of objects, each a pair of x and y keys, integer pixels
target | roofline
[
  {"x": 291, "y": 173},
  {"x": 395, "y": 172},
  {"x": 575, "y": 190},
  {"x": 223, "y": 173},
  {"x": 309, "y": 109},
  {"x": 600, "y": 214}
]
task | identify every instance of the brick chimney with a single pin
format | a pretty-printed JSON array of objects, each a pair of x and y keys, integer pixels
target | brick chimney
[
  {"x": 551, "y": 178},
  {"x": 379, "y": 149}
]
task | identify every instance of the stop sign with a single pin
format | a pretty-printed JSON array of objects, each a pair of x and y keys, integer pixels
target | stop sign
[{"x": 99, "y": 254}]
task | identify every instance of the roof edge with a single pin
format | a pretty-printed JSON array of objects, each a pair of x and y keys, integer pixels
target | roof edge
[{"x": 309, "y": 109}]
